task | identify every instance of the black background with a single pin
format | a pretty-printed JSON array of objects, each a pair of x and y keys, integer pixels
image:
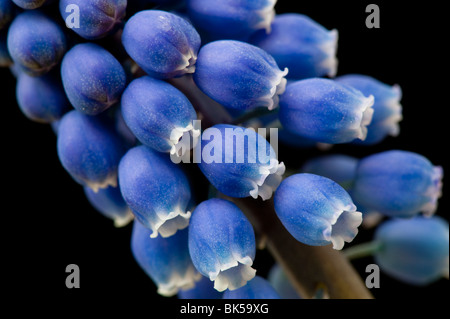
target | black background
[{"x": 49, "y": 223}]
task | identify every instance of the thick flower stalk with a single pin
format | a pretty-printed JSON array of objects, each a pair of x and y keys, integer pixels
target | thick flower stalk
[
  {"x": 156, "y": 190},
  {"x": 222, "y": 244},
  {"x": 165, "y": 260},
  {"x": 163, "y": 44},
  {"x": 300, "y": 44},
  {"x": 239, "y": 162},
  {"x": 97, "y": 19},
  {"x": 159, "y": 115},
  {"x": 35, "y": 42},
  {"x": 257, "y": 288},
  {"x": 325, "y": 111},
  {"x": 231, "y": 19},
  {"x": 92, "y": 77},
  {"x": 110, "y": 203},
  {"x": 398, "y": 184},
  {"x": 413, "y": 250},
  {"x": 239, "y": 75},
  {"x": 316, "y": 210},
  {"x": 387, "y": 108},
  {"x": 89, "y": 149}
]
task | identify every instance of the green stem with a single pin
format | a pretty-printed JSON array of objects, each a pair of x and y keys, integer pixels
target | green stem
[{"x": 362, "y": 250}]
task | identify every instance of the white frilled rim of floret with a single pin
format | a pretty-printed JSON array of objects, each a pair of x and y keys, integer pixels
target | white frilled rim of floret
[
  {"x": 396, "y": 109},
  {"x": 183, "y": 139},
  {"x": 329, "y": 48},
  {"x": 266, "y": 15},
  {"x": 278, "y": 87},
  {"x": 167, "y": 224},
  {"x": 122, "y": 221},
  {"x": 188, "y": 65},
  {"x": 111, "y": 180},
  {"x": 179, "y": 281},
  {"x": 433, "y": 192},
  {"x": 270, "y": 179},
  {"x": 234, "y": 274},
  {"x": 343, "y": 226},
  {"x": 366, "y": 117}
]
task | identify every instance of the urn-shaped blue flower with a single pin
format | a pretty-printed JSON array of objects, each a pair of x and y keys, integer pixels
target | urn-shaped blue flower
[
  {"x": 316, "y": 210},
  {"x": 156, "y": 190},
  {"x": 398, "y": 184},
  {"x": 97, "y": 18},
  {"x": 109, "y": 202},
  {"x": 239, "y": 75},
  {"x": 159, "y": 115},
  {"x": 414, "y": 250},
  {"x": 163, "y": 44},
  {"x": 89, "y": 149},
  {"x": 165, "y": 260},
  {"x": 92, "y": 77},
  {"x": 231, "y": 19},
  {"x": 325, "y": 111},
  {"x": 35, "y": 42},
  {"x": 257, "y": 288},
  {"x": 222, "y": 244},
  {"x": 41, "y": 98},
  {"x": 387, "y": 108},
  {"x": 239, "y": 162},
  {"x": 300, "y": 44}
]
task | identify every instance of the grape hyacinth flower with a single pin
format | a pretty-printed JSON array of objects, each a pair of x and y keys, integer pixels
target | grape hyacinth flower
[
  {"x": 325, "y": 111},
  {"x": 156, "y": 190},
  {"x": 35, "y": 42},
  {"x": 41, "y": 98},
  {"x": 203, "y": 289},
  {"x": 222, "y": 244},
  {"x": 163, "y": 44},
  {"x": 398, "y": 184},
  {"x": 92, "y": 77},
  {"x": 97, "y": 18},
  {"x": 109, "y": 202},
  {"x": 387, "y": 108},
  {"x": 89, "y": 149},
  {"x": 239, "y": 75},
  {"x": 30, "y": 4},
  {"x": 231, "y": 19},
  {"x": 413, "y": 250},
  {"x": 165, "y": 260},
  {"x": 159, "y": 115},
  {"x": 316, "y": 210},
  {"x": 300, "y": 44},
  {"x": 257, "y": 288},
  {"x": 337, "y": 167},
  {"x": 239, "y": 162}
]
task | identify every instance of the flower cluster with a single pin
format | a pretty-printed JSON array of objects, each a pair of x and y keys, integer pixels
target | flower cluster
[{"x": 126, "y": 114}]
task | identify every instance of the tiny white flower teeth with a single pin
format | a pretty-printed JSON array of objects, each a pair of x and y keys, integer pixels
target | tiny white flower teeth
[
  {"x": 168, "y": 224},
  {"x": 366, "y": 118},
  {"x": 183, "y": 139},
  {"x": 188, "y": 66},
  {"x": 392, "y": 122},
  {"x": 179, "y": 281},
  {"x": 434, "y": 192},
  {"x": 278, "y": 88},
  {"x": 124, "y": 220},
  {"x": 96, "y": 186},
  {"x": 271, "y": 176},
  {"x": 233, "y": 275},
  {"x": 330, "y": 48},
  {"x": 267, "y": 15}
]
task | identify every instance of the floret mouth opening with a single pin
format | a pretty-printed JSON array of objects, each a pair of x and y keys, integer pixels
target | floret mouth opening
[
  {"x": 234, "y": 274},
  {"x": 329, "y": 47},
  {"x": 343, "y": 227},
  {"x": 183, "y": 139},
  {"x": 188, "y": 64},
  {"x": 278, "y": 87},
  {"x": 366, "y": 117},
  {"x": 434, "y": 192},
  {"x": 393, "y": 104},
  {"x": 122, "y": 221},
  {"x": 107, "y": 182},
  {"x": 266, "y": 15},
  {"x": 271, "y": 176},
  {"x": 168, "y": 224},
  {"x": 179, "y": 281}
]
